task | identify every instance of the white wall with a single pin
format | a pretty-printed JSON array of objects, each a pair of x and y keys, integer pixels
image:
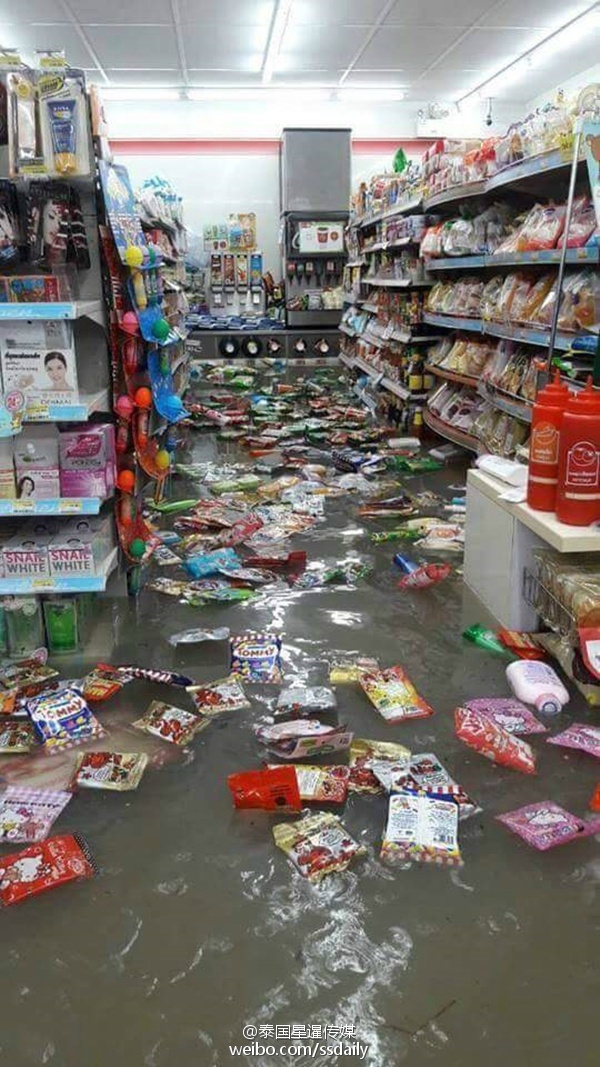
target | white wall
[{"x": 590, "y": 76}]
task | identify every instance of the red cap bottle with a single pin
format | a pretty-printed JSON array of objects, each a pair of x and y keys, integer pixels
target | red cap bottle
[
  {"x": 546, "y": 422},
  {"x": 578, "y": 492}
]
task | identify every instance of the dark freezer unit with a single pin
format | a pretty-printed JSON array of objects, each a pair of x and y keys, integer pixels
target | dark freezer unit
[{"x": 315, "y": 194}]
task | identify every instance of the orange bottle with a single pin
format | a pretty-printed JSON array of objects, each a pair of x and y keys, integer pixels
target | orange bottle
[
  {"x": 548, "y": 411},
  {"x": 578, "y": 491}
]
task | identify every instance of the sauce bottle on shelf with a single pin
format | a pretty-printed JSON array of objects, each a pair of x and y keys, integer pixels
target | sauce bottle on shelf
[
  {"x": 546, "y": 422},
  {"x": 578, "y": 490}
]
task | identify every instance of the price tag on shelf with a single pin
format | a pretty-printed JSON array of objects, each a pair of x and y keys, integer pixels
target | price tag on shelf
[
  {"x": 42, "y": 585},
  {"x": 73, "y": 505},
  {"x": 21, "y": 507}
]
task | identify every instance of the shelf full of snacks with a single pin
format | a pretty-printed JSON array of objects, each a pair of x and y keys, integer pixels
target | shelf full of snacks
[{"x": 56, "y": 480}]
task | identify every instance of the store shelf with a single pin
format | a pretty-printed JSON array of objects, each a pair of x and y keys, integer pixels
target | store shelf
[
  {"x": 451, "y": 433},
  {"x": 80, "y": 583},
  {"x": 512, "y": 405},
  {"x": 507, "y": 331},
  {"x": 557, "y": 534},
  {"x": 396, "y": 283},
  {"x": 371, "y": 307},
  {"x": 347, "y": 330},
  {"x": 84, "y": 505},
  {"x": 379, "y": 379},
  {"x": 356, "y": 262},
  {"x": 453, "y": 322},
  {"x": 547, "y": 258},
  {"x": 452, "y": 376},
  {"x": 404, "y": 208},
  {"x": 389, "y": 246},
  {"x": 91, "y": 309},
  {"x": 73, "y": 412},
  {"x": 456, "y": 192},
  {"x": 508, "y": 176}
]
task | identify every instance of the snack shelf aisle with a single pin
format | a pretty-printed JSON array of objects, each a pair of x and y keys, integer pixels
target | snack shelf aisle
[
  {"x": 512, "y": 405},
  {"x": 508, "y": 331},
  {"x": 452, "y": 376},
  {"x": 380, "y": 379},
  {"x": 521, "y": 174},
  {"x": 451, "y": 433},
  {"x": 586, "y": 256}
]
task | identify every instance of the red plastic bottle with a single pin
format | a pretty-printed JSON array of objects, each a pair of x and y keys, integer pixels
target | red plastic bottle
[
  {"x": 578, "y": 492},
  {"x": 548, "y": 411}
]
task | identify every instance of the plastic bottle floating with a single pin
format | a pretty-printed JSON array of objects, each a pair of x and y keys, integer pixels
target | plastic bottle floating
[{"x": 420, "y": 575}]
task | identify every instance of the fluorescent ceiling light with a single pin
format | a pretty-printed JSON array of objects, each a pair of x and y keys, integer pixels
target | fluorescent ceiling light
[
  {"x": 115, "y": 92},
  {"x": 572, "y": 33},
  {"x": 266, "y": 93},
  {"x": 278, "y": 28},
  {"x": 367, "y": 93}
]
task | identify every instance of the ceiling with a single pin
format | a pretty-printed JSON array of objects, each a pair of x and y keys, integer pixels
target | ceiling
[{"x": 434, "y": 49}]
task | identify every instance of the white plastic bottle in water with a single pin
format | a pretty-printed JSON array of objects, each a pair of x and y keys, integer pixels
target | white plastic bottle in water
[{"x": 538, "y": 684}]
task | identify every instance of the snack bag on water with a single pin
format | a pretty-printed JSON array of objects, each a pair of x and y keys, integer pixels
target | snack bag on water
[
  {"x": 169, "y": 723},
  {"x": 217, "y": 697},
  {"x": 317, "y": 845},
  {"x": 27, "y": 815},
  {"x": 63, "y": 719},
  {"x": 508, "y": 713},
  {"x": 369, "y": 761},
  {"x": 120, "y": 771},
  {"x": 16, "y": 738},
  {"x": 301, "y": 699},
  {"x": 346, "y": 669},
  {"x": 51, "y": 863},
  {"x": 423, "y": 828},
  {"x": 491, "y": 741},
  {"x": 425, "y": 773},
  {"x": 256, "y": 657},
  {"x": 545, "y": 824},
  {"x": 303, "y": 737},
  {"x": 393, "y": 694},
  {"x": 103, "y": 682},
  {"x": 325, "y": 785},
  {"x": 272, "y": 789},
  {"x": 579, "y": 735}
]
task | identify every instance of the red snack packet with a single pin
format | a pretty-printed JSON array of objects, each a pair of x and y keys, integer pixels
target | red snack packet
[
  {"x": 61, "y": 859},
  {"x": 491, "y": 741},
  {"x": 594, "y": 804},
  {"x": 273, "y": 789},
  {"x": 523, "y": 645}
]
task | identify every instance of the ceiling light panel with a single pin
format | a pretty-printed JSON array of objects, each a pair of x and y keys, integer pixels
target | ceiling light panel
[
  {"x": 334, "y": 12},
  {"x": 155, "y": 45},
  {"x": 230, "y": 13},
  {"x": 458, "y": 13},
  {"x": 117, "y": 12}
]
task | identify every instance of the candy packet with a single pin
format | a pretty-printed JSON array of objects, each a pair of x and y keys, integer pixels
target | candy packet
[
  {"x": 103, "y": 682},
  {"x": 508, "y": 713},
  {"x": 492, "y": 741},
  {"x": 120, "y": 771},
  {"x": 579, "y": 735},
  {"x": 213, "y": 699},
  {"x": 169, "y": 723},
  {"x": 16, "y": 738},
  {"x": 8, "y": 700},
  {"x": 272, "y": 789},
  {"x": 29, "y": 675},
  {"x": 155, "y": 674},
  {"x": 169, "y": 586},
  {"x": 348, "y": 668},
  {"x": 256, "y": 657},
  {"x": 325, "y": 785},
  {"x": 545, "y": 824},
  {"x": 196, "y": 637},
  {"x": 63, "y": 720},
  {"x": 165, "y": 557},
  {"x": 305, "y": 698},
  {"x": 594, "y": 804},
  {"x": 303, "y": 737},
  {"x": 27, "y": 815},
  {"x": 252, "y": 575},
  {"x": 426, "y": 774},
  {"x": 317, "y": 845},
  {"x": 393, "y": 695},
  {"x": 423, "y": 828},
  {"x": 523, "y": 645},
  {"x": 224, "y": 595},
  {"x": 369, "y": 757},
  {"x": 47, "y": 865},
  {"x": 211, "y": 562}
]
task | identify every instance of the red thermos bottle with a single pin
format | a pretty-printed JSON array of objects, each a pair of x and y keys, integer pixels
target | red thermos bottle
[
  {"x": 546, "y": 422},
  {"x": 578, "y": 492}
]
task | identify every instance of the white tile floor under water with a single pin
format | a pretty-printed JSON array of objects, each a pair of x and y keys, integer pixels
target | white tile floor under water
[{"x": 198, "y": 926}]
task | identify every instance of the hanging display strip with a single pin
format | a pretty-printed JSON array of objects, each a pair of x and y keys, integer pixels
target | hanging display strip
[{"x": 545, "y": 257}]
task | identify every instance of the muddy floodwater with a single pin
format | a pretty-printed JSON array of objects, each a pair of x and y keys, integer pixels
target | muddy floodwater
[{"x": 198, "y": 927}]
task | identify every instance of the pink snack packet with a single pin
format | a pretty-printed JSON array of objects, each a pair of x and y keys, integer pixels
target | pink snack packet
[
  {"x": 579, "y": 735},
  {"x": 508, "y": 713},
  {"x": 493, "y": 742},
  {"x": 544, "y": 825}
]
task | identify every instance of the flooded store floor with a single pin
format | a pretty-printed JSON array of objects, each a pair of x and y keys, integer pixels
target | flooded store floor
[{"x": 198, "y": 934}]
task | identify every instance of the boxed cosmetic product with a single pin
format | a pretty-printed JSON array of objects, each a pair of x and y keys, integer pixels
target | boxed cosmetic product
[
  {"x": 7, "y": 470},
  {"x": 25, "y": 629},
  {"x": 32, "y": 289},
  {"x": 87, "y": 461},
  {"x": 36, "y": 463},
  {"x": 81, "y": 546},
  {"x": 38, "y": 360},
  {"x": 26, "y": 554},
  {"x": 61, "y": 620}
]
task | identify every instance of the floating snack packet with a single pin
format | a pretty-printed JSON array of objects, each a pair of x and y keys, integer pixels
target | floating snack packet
[
  {"x": 523, "y": 645},
  {"x": 154, "y": 674},
  {"x": 165, "y": 557},
  {"x": 217, "y": 697},
  {"x": 544, "y": 825},
  {"x": 240, "y": 531},
  {"x": 369, "y": 757},
  {"x": 16, "y": 738},
  {"x": 29, "y": 675},
  {"x": 594, "y": 804},
  {"x": 508, "y": 713},
  {"x": 109, "y": 770},
  {"x": 393, "y": 694},
  {"x": 256, "y": 657},
  {"x": 211, "y": 562},
  {"x": 169, "y": 586},
  {"x": 492, "y": 741},
  {"x": 423, "y": 828},
  {"x": 416, "y": 465},
  {"x": 252, "y": 575},
  {"x": 196, "y": 637},
  {"x": 305, "y": 698},
  {"x": 278, "y": 559},
  {"x": 8, "y": 700},
  {"x": 348, "y": 668},
  {"x": 236, "y": 485},
  {"x": 169, "y": 723},
  {"x": 51, "y": 863},
  {"x": 272, "y": 789},
  {"x": 63, "y": 720},
  {"x": 317, "y": 845},
  {"x": 324, "y": 785},
  {"x": 302, "y": 738},
  {"x": 425, "y": 773},
  {"x": 27, "y": 815},
  {"x": 226, "y": 594},
  {"x": 579, "y": 735},
  {"x": 103, "y": 682}
]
